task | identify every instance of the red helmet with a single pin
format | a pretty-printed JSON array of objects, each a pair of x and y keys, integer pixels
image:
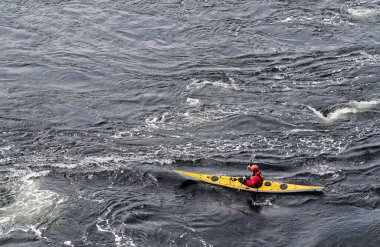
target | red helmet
[{"x": 254, "y": 168}]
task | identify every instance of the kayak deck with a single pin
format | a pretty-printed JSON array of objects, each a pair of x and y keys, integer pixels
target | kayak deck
[{"x": 233, "y": 182}]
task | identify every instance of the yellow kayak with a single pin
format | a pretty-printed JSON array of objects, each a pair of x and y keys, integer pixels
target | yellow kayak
[{"x": 233, "y": 182}]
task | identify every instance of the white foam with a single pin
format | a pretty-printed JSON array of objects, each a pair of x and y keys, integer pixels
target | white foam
[
  {"x": 6, "y": 148},
  {"x": 338, "y": 113},
  {"x": 361, "y": 13},
  {"x": 101, "y": 160},
  {"x": 68, "y": 163},
  {"x": 32, "y": 206},
  {"x": 155, "y": 121},
  {"x": 266, "y": 202},
  {"x": 287, "y": 19},
  {"x": 192, "y": 235},
  {"x": 130, "y": 133},
  {"x": 193, "y": 118},
  {"x": 364, "y": 104},
  {"x": 68, "y": 243},
  {"x": 316, "y": 112},
  {"x": 193, "y": 102},
  {"x": 103, "y": 225},
  {"x": 291, "y": 19},
  {"x": 197, "y": 84},
  {"x": 303, "y": 130},
  {"x": 351, "y": 107},
  {"x": 5, "y": 160},
  {"x": 214, "y": 113},
  {"x": 113, "y": 162},
  {"x": 3, "y": 151},
  {"x": 331, "y": 20}
]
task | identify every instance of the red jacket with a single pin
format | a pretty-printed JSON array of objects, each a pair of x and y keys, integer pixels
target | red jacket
[{"x": 255, "y": 181}]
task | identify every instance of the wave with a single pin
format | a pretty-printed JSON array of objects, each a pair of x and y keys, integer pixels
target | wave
[
  {"x": 364, "y": 13},
  {"x": 228, "y": 83},
  {"x": 335, "y": 112}
]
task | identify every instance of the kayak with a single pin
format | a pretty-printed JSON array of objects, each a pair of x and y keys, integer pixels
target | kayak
[{"x": 236, "y": 183}]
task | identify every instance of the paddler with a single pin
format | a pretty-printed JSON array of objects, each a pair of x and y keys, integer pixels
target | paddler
[{"x": 256, "y": 179}]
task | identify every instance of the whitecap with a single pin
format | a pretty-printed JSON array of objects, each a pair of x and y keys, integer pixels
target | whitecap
[
  {"x": 68, "y": 243},
  {"x": 364, "y": 104},
  {"x": 193, "y": 102},
  {"x": 339, "y": 111},
  {"x": 362, "y": 13}
]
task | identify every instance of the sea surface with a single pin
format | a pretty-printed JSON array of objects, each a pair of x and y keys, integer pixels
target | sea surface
[{"x": 101, "y": 99}]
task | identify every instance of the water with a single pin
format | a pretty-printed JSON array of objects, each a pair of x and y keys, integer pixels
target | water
[{"x": 100, "y": 100}]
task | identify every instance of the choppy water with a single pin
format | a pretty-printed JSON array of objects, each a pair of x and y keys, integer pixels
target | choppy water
[{"x": 100, "y": 100}]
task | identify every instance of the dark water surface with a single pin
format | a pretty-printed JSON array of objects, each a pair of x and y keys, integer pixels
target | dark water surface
[{"x": 100, "y": 100}]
